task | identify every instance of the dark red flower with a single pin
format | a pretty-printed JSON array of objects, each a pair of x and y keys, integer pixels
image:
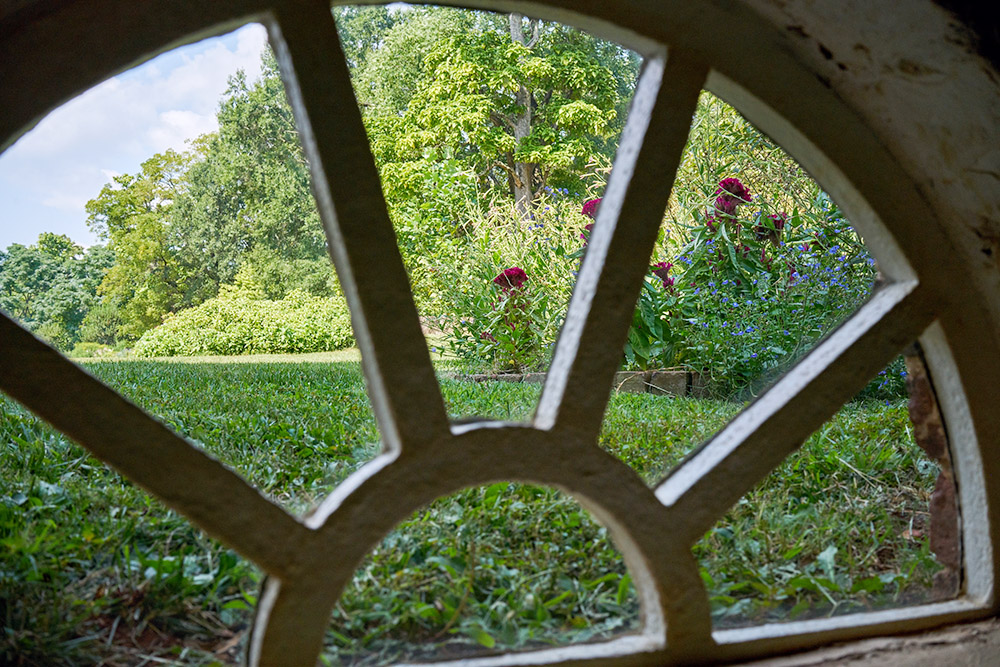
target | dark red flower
[
  {"x": 590, "y": 207},
  {"x": 511, "y": 278},
  {"x": 726, "y": 205},
  {"x": 763, "y": 231},
  {"x": 586, "y": 232},
  {"x": 732, "y": 188},
  {"x": 661, "y": 270}
]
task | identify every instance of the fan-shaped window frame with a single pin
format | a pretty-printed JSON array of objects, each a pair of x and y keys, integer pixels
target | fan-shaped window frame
[{"x": 756, "y": 71}]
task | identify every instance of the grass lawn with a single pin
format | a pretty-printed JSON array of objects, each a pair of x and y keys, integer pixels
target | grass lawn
[{"x": 92, "y": 568}]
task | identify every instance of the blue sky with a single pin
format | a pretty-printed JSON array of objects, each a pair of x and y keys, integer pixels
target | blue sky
[{"x": 48, "y": 176}]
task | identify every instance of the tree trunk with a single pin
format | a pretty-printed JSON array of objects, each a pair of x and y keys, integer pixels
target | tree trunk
[{"x": 522, "y": 179}]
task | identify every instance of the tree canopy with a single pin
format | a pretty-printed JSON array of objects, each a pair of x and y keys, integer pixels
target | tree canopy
[
  {"x": 51, "y": 285},
  {"x": 512, "y": 105}
]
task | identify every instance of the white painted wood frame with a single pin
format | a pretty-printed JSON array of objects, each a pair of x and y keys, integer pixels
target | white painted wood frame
[{"x": 927, "y": 209}]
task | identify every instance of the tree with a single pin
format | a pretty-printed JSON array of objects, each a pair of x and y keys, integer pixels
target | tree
[
  {"x": 50, "y": 286},
  {"x": 247, "y": 194},
  {"x": 132, "y": 214},
  {"x": 362, "y": 31},
  {"x": 25, "y": 274},
  {"x": 387, "y": 79},
  {"x": 520, "y": 106}
]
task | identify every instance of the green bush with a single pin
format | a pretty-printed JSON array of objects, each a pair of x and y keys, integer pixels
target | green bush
[
  {"x": 237, "y": 324},
  {"x": 755, "y": 291},
  {"x": 56, "y": 335},
  {"x": 101, "y": 324}
]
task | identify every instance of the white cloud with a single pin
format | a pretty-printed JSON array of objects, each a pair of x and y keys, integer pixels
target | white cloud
[
  {"x": 175, "y": 127},
  {"x": 112, "y": 128}
]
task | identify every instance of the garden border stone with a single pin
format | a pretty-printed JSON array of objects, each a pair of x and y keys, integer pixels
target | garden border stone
[{"x": 670, "y": 383}]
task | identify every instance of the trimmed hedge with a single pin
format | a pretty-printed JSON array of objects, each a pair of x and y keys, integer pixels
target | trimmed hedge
[{"x": 236, "y": 324}]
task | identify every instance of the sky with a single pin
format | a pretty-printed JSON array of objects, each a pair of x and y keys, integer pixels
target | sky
[{"x": 48, "y": 176}]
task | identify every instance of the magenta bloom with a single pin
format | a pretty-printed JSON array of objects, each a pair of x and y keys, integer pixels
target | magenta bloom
[
  {"x": 590, "y": 207},
  {"x": 585, "y": 234},
  {"x": 511, "y": 278},
  {"x": 779, "y": 220},
  {"x": 731, "y": 187},
  {"x": 661, "y": 271},
  {"x": 726, "y": 205}
]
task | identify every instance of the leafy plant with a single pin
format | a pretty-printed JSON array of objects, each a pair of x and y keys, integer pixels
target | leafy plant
[
  {"x": 477, "y": 313},
  {"x": 237, "y": 323},
  {"x": 746, "y": 294}
]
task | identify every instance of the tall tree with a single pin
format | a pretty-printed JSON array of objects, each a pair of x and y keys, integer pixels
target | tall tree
[
  {"x": 132, "y": 215},
  {"x": 362, "y": 31},
  {"x": 248, "y": 196},
  {"x": 522, "y": 105},
  {"x": 387, "y": 78}
]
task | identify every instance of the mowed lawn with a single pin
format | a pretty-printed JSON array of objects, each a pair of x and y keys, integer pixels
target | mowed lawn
[{"x": 92, "y": 568}]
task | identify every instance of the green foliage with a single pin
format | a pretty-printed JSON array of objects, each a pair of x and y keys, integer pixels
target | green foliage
[
  {"x": 235, "y": 323},
  {"x": 752, "y": 294},
  {"x": 837, "y": 528},
  {"x": 477, "y": 313},
  {"x": 362, "y": 30},
  {"x": 247, "y": 194},
  {"x": 888, "y": 385},
  {"x": 387, "y": 71},
  {"x": 501, "y": 566},
  {"x": 511, "y": 335},
  {"x": 146, "y": 280},
  {"x": 50, "y": 286},
  {"x": 515, "y": 110},
  {"x": 722, "y": 143},
  {"x": 185, "y": 225},
  {"x": 82, "y": 552},
  {"x": 652, "y": 340},
  {"x": 802, "y": 544},
  {"x": 750, "y": 284},
  {"x": 88, "y": 350},
  {"x": 101, "y": 324}
]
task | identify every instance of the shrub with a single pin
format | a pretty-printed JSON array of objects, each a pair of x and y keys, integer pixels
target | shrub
[
  {"x": 752, "y": 291},
  {"x": 513, "y": 328},
  {"x": 56, "y": 335},
  {"x": 511, "y": 336},
  {"x": 654, "y": 339},
  {"x": 237, "y": 324},
  {"x": 101, "y": 324}
]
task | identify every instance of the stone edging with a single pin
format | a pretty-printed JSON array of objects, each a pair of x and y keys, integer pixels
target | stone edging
[{"x": 661, "y": 383}]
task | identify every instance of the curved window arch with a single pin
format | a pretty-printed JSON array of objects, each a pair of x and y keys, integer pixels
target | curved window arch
[{"x": 933, "y": 293}]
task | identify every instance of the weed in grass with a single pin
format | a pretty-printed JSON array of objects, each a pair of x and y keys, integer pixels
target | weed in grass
[
  {"x": 92, "y": 569},
  {"x": 506, "y": 401},
  {"x": 652, "y": 434}
]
